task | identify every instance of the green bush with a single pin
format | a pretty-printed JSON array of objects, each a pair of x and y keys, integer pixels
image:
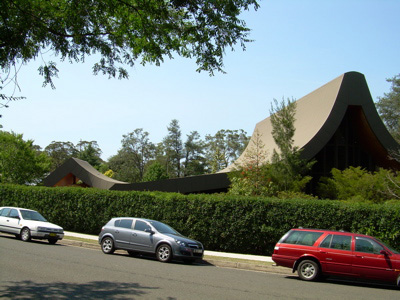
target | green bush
[
  {"x": 357, "y": 184},
  {"x": 222, "y": 222}
]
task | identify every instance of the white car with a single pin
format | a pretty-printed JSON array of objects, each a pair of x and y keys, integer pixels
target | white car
[{"x": 28, "y": 224}]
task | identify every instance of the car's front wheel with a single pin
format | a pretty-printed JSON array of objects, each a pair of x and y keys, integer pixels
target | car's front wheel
[
  {"x": 25, "y": 234},
  {"x": 107, "y": 245},
  {"x": 164, "y": 253},
  {"x": 52, "y": 241},
  {"x": 308, "y": 270}
]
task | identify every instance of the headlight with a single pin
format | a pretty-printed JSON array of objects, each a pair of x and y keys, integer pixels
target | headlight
[
  {"x": 41, "y": 228},
  {"x": 181, "y": 243}
]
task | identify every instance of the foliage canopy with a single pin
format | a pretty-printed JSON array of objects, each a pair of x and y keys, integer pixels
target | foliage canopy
[{"x": 120, "y": 31}]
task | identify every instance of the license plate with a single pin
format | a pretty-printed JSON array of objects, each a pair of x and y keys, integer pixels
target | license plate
[
  {"x": 197, "y": 251},
  {"x": 53, "y": 234}
]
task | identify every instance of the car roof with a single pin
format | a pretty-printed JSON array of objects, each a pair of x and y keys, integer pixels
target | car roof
[
  {"x": 143, "y": 219},
  {"x": 331, "y": 231},
  {"x": 16, "y": 208}
]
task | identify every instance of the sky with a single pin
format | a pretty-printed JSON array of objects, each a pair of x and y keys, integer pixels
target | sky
[{"x": 298, "y": 46}]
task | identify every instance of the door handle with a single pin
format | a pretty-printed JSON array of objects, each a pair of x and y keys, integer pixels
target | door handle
[
  {"x": 359, "y": 256},
  {"x": 323, "y": 252},
  {"x": 134, "y": 234}
]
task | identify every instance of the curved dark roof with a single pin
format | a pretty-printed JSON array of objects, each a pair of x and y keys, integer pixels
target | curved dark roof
[
  {"x": 320, "y": 113},
  {"x": 318, "y": 117},
  {"x": 82, "y": 170}
]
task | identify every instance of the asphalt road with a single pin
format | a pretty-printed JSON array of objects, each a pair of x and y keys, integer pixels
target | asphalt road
[{"x": 38, "y": 270}]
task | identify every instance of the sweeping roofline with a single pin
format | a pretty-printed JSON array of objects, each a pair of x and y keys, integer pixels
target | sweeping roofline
[
  {"x": 318, "y": 116},
  {"x": 82, "y": 170}
]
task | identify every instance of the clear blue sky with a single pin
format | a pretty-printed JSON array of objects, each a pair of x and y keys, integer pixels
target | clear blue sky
[{"x": 298, "y": 46}]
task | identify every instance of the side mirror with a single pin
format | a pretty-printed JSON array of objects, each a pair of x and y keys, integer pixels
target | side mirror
[
  {"x": 149, "y": 231},
  {"x": 384, "y": 252}
]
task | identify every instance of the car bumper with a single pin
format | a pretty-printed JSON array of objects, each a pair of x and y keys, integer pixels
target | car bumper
[
  {"x": 46, "y": 235},
  {"x": 187, "y": 252}
]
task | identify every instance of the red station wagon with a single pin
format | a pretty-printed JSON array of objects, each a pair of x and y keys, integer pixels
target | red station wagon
[{"x": 314, "y": 252}]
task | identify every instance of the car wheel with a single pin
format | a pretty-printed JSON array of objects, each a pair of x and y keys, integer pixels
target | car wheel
[
  {"x": 52, "y": 241},
  {"x": 107, "y": 245},
  {"x": 164, "y": 253},
  {"x": 398, "y": 281},
  {"x": 308, "y": 270},
  {"x": 25, "y": 234}
]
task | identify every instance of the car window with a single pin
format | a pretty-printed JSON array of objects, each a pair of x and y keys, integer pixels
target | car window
[
  {"x": 335, "y": 241},
  {"x": 367, "y": 245},
  {"x": 163, "y": 228},
  {"x": 32, "y": 215},
  {"x": 306, "y": 238},
  {"x": 124, "y": 223},
  {"x": 142, "y": 226},
  {"x": 4, "y": 212},
  {"x": 13, "y": 213}
]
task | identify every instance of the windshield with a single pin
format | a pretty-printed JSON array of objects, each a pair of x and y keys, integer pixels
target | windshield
[
  {"x": 32, "y": 215},
  {"x": 163, "y": 228},
  {"x": 387, "y": 246}
]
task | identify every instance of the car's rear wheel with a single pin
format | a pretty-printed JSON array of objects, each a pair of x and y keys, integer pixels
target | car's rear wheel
[
  {"x": 164, "y": 253},
  {"x": 25, "y": 234},
  {"x": 308, "y": 270},
  {"x": 107, "y": 245}
]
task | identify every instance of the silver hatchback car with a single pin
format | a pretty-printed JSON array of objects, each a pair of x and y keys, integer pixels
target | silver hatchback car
[{"x": 137, "y": 235}]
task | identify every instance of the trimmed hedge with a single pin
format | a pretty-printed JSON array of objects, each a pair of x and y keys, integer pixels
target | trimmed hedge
[{"x": 221, "y": 222}]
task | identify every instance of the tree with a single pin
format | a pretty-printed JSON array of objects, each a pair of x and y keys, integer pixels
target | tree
[
  {"x": 155, "y": 171},
  {"x": 60, "y": 152},
  {"x": 224, "y": 148},
  {"x": 120, "y": 32},
  {"x": 251, "y": 176},
  {"x": 287, "y": 169},
  {"x": 389, "y": 108},
  {"x": 137, "y": 151},
  {"x": 20, "y": 162},
  {"x": 194, "y": 161},
  {"x": 90, "y": 152},
  {"x": 173, "y": 149}
]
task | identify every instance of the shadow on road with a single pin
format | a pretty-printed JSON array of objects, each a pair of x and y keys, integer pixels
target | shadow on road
[{"x": 61, "y": 290}]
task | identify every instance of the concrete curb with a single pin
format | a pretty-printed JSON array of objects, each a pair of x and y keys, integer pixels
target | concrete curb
[{"x": 223, "y": 263}]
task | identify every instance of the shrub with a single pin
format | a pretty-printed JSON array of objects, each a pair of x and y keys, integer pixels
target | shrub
[{"x": 222, "y": 222}]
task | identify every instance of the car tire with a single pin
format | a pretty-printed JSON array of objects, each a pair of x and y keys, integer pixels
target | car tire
[
  {"x": 25, "y": 234},
  {"x": 164, "y": 253},
  {"x": 398, "y": 281},
  {"x": 308, "y": 270},
  {"x": 107, "y": 245},
  {"x": 52, "y": 241}
]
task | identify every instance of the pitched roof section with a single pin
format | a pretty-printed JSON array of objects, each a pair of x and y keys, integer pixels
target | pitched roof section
[
  {"x": 319, "y": 114},
  {"x": 82, "y": 170}
]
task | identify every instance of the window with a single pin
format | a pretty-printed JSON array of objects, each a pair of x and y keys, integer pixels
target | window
[
  {"x": 124, "y": 223},
  {"x": 335, "y": 241},
  {"x": 14, "y": 214},
  {"x": 306, "y": 238},
  {"x": 4, "y": 212},
  {"x": 142, "y": 226},
  {"x": 367, "y": 245}
]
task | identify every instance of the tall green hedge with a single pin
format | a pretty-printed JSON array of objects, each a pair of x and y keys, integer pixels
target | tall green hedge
[{"x": 221, "y": 222}]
